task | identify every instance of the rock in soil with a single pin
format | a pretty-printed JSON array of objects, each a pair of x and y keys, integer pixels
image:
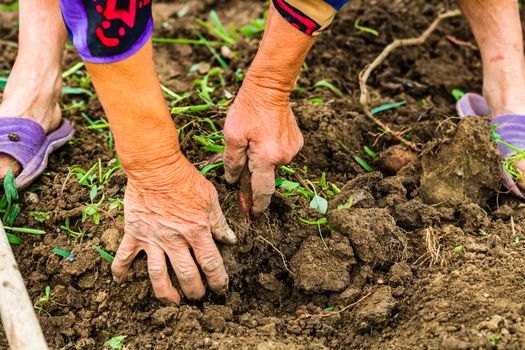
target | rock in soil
[
  {"x": 396, "y": 157},
  {"x": 466, "y": 167}
]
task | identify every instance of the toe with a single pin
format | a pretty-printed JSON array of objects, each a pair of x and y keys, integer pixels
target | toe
[{"x": 8, "y": 163}]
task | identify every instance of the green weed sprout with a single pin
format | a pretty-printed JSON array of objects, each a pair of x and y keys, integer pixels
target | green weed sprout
[
  {"x": 117, "y": 342},
  {"x": 509, "y": 161},
  {"x": 76, "y": 235},
  {"x": 10, "y": 209},
  {"x": 365, "y": 29},
  {"x": 105, "y": 255},
  {"x": 43, "y": 300}
]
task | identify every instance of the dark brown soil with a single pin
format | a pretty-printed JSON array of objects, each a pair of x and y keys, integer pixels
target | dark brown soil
[{"x": 405, "y": 267}]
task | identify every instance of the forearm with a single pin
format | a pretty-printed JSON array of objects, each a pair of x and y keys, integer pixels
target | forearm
[
  {"x": 281, "y": 54},
  {"x": 145, "y": 136}
]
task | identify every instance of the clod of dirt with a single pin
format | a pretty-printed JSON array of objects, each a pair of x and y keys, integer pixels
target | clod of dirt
[
  {"x": 318, "y": 269},
  {"x": 397, "y": 157},
  {"x": 464, "y": 168},
  {"x": 85, "y": 260},
  {"x": 111, "y": 238},
  {"x": 375, "y": 309},
  {"x": 163, "y": 316},
  {"x": 215, "y": 317},
  {"x": 400, "y": 274},
  {"x": 372, "y": 232},
  {"x": 415, "y": 214},
  {"x": 473, "y": 218},
  {"x": 274, "y": 345},
  {"x": 493, "y": 324},
  {"x": 358, "y": 280}
]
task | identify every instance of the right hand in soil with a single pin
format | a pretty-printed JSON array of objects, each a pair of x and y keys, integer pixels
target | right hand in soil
[
  {"x": 172, "y": 211},
  {"x": 262, "y": 132}
]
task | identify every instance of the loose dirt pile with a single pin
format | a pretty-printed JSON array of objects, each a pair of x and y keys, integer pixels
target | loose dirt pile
[{"x": 426, "y": 257}]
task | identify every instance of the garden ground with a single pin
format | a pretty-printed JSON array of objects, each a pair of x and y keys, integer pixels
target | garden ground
[{"x": 426, "y": 257}]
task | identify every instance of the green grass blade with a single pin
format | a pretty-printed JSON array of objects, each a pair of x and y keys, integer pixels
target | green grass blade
[
  {"x": 25, "y": 230},
  {"x": 365, "y": 29},
  {"x": 73, "y": 70},
  {"x": 105, "y": 255},
  {"x": 190, "y": 109},
  {"x": 387, "y": 106},
  {"x": 13, "y": 239},
  {"x": 61, "y": 252},
  {"x": 331, "y": 87},
  {"x": 188, "y": 41},
  {"x": 67, "y": 90},
  {"x": 364, "y": 164},
  {"x": 371, "y": 153},
  {"x": 207, "y": 168}
]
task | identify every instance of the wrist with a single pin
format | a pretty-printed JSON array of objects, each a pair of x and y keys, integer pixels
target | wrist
[{"x": 154, "y": 170}]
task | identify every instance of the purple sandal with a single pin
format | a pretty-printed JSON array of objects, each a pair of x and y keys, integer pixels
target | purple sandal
[
  {"x": 27, "y": 142},
  {"x": 510, "y": 127}
]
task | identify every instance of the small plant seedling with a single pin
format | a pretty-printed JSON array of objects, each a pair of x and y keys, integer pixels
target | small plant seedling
[
  {"x": 316, "y": 101},
  {"x": 39, "y": 216},
  {"x": 320, "y": 204},
  {"x": 329, "y": 86},
  {"x": 482, "y": 233},
  {"x": 329, "y": 308},
  {"x": 387, "y": 106},
  {"x": 370, "y": 152},
  {"x": 517, "y": 240},
  {"x": 457, "y": 93},
  {"x": 61, "y": 252},
  {"x": 364, "y": 164},
  {"x": 9, "y": 7},
  {"x": 458, "y": 249},
  {"x": 76, "y": 235},
  {"x": 494, "y": 339},
  {"x": 216, "y": 28},
  {"x": 365, "y": 29},
  {"x": 115, "y": 203},
  {"x": 92, "y": 210},
  {"x": 347, "y": 205},
  {"x": 117, "y": 342},
  {"x": 321, "y": 221},
  {"x": 209, "y": 167},
  {"x": 10, "y": 209},
  {"x": 509, "y": 161},
  {"x": 105, "y": 255},
  {"x": 255, "y": 27},
  {"x": 39, "y": 305}
]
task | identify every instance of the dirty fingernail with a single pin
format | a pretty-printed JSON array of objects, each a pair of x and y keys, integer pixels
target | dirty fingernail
[
  {"x": 116, "y": 279},
  {"x": 167, "y": 302}
]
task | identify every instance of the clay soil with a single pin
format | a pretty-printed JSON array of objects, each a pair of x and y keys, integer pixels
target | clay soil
[{"x": 428, "y": 257}]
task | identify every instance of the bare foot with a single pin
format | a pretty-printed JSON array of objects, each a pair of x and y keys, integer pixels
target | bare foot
[{"x": 31, "y": 97}]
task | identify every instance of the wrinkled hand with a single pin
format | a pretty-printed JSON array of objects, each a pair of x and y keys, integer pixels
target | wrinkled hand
[
  {"x": 168, "y": 213},
  {"x": 261, "y": 131}
]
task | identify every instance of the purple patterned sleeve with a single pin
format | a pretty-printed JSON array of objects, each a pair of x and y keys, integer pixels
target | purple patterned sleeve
[{"x": 106, "y": 31}]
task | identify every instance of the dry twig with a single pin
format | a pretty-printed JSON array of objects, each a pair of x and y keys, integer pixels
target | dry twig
[{"x": 365, "y": 73}]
